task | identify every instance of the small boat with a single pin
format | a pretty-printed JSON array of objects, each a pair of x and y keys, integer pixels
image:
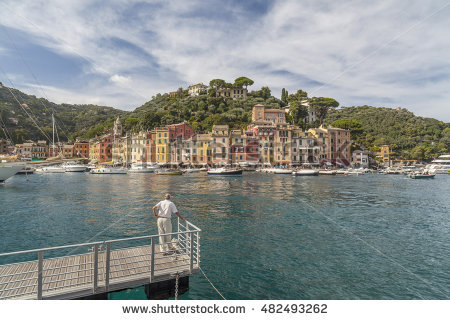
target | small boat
[
  {"x": 225, "y": 171},
  {"x": 422, "y": 175},
  {"x": 169, "y": 172},
  {"x": 327, "y": 172},
  {"x": 27, "y": 170},
  {"x": 193, "y": 170},
  {"x": 353, "y": 173},
  {"x": 306, "y": 172},
  {"x": 281, "y": 171}
]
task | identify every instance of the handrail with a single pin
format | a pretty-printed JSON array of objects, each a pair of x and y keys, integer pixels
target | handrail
[{"x": 101, "y": 268}]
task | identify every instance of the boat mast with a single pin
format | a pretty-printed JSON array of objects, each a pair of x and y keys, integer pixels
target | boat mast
[{"x": 53, "y": 129}]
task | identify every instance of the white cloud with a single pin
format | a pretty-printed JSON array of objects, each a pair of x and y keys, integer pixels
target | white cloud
[
  {"x": 120, "y": 80},
  {"x": 363, "y": 52}
]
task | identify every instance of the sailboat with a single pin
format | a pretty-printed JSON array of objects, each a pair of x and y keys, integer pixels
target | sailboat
[{"x": 52, "y": 168}]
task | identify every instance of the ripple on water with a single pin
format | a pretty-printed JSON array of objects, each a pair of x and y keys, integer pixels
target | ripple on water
[{"x": 264, "y": 236}]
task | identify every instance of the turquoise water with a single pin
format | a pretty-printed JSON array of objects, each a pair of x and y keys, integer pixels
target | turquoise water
[{"x": 264, "y": 236}]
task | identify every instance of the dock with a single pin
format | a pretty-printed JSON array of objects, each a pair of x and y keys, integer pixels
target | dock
[{"x": 108, "y": 266}]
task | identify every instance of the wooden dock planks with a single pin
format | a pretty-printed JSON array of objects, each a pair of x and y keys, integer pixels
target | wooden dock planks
[{"x": 72, "y": 273}]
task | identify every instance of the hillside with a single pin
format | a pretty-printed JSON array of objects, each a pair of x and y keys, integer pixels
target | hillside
[
  {"x": 202, "y": 112},
  {"x": 72, "y": 120},
  {"x": 410, "y": 136}
]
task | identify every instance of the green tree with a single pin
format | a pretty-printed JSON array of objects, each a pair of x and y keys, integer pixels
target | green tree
[
  {"x": 321, "y": 106},
  {"x": 243, "y": 82},
  {"x": 299, "y": 96},
  {"x": 217, "y": 83}
]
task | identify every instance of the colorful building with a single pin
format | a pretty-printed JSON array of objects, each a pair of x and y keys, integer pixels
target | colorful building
[
  {"x": 100, "y": 148},
  {"x": 334, "y": 145},
  {"x": 385, "y": 154},
  {"x": 81, "y": 149},
  {"x": 220, "y": 144},
  {"x": 303, "y": 148},
  {"x": 282, "y": 144},
  {"x": 261, "y": 113}
]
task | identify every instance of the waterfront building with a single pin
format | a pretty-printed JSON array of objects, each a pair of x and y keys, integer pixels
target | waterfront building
[
  {"x": 385, "y": 154},
  {"x": 251, "y": 147},
  {"x": 220, "y": 144},
  {"x": 265, "y": 133},
  {"x": 303, "y": 148},
  {"x": 68, "y": 151},
  {"x": 361, "y": 159},
  {"x": 4, "y": 144},
  {"x": 121, "y": 149},
  {"x": 334, "y": 145},
  {"x": 81, "y": 149},
  {"x": 151, "y": 148},
  {"x": 187, "y": 154},
  {"x": 204, "y": 151},
  {"x": 282, "y": 144},
  {"x": 162, "y": 143},
  {"x": 100, "y": 148},
  {"x": 139, "y": 143},
  {"x": 180, "y": 130},
  {"x": 33, "y": 150},
  {"x": 197, "y": 89},
  {"x": 233, "y": 93},
  {"x": 260, "y": 113}
]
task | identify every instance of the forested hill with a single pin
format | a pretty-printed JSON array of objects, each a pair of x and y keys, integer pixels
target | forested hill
[
  {"x": 410, "y": 136},
  {"x": 72, "y": 120},
  {"x": 202, "y": 112}
]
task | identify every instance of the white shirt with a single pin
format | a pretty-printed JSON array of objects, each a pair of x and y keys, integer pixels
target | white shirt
[{"x": 166, "y": 208}]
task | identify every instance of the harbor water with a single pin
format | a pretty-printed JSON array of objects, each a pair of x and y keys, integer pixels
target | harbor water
[{"x": 264, "y": 236}]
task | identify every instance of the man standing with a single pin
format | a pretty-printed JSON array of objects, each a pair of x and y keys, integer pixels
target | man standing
[{"x": 165, "y": 210}]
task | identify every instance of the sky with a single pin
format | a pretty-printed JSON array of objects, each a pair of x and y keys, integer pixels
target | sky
[{"x": 120, "y": 53}]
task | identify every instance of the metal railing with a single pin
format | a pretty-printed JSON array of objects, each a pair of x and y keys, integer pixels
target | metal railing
[{"x": 107, "y": 261}]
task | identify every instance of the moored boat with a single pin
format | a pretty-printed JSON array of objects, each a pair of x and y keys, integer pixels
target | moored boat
[
  {"x": 8, "y": 169},
  {"x": 306, "y": 172},
  {"x": 109, "y": 168},
  {"x": 74, "y": 167},
  {"x": 327, "y": 172},
  {"x": 225, "y": 171},
  {"x": 51, "y": 169},
  {"x": 141, "y": 168},
  {"x": 169, "y": 172}
]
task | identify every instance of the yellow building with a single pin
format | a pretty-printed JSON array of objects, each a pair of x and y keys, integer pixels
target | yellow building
[
  {"x": 162, "y": 143},
  {"x": 385, "y": 153},
  {"x": 282, "y": 144},
  {"x": 196, "y": 89},
  {"x": 94, "y": 150},
  {"x": 204, "y": 150}
]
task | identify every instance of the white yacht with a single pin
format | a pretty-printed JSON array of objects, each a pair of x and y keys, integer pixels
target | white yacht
[
  {"x": 74, "y": 167},
  {"x": 140, "y": 167},
  {"x": 50, "y": 169},
  {"x": 8, "y": 169},
  {"x": 440, "y": 165},
  {"x": 109, "y": 168}
]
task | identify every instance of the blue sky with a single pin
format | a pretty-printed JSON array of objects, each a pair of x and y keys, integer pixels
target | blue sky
[{"x": 391, "y": 53}]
